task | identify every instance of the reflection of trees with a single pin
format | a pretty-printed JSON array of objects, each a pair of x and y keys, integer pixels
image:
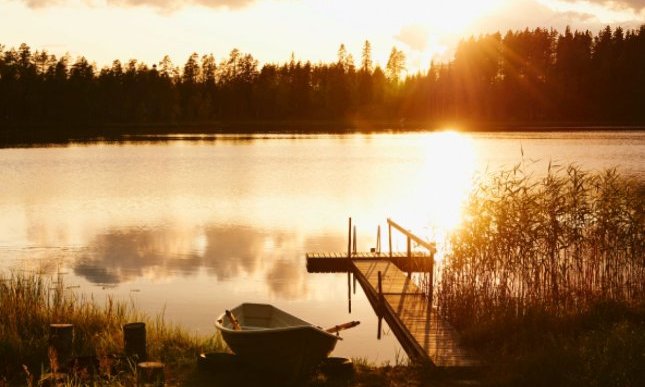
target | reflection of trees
[
  {"x": 287, "y": 279},
  {"x": 228, "y": 252}
]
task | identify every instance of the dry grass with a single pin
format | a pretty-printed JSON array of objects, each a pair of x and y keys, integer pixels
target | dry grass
[
  {"x": 546, "y": 277},
  {"x": 30, "y": 303},
  {"x": 557, "y": 244}
]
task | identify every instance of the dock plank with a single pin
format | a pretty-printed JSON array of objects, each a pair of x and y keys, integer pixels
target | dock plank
[{"x": 419, "y": 328}]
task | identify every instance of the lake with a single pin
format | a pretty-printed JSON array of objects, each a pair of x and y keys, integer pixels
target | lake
[{"x": 192, "y": 225}]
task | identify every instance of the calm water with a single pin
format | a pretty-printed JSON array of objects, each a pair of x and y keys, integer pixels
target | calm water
[{"x": 192, "y": 226}]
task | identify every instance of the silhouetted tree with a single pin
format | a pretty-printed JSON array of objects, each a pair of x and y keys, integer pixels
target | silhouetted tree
[{"x": 523, "y": 76}]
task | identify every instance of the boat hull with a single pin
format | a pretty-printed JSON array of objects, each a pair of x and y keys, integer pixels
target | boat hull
[{"x": 275, "y": 341}]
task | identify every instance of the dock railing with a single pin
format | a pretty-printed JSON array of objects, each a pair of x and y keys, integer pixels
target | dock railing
[{"x": 410, "y": 238}]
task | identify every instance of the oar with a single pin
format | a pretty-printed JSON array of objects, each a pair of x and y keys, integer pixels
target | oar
[
  {"x": 233, "y": 320},
  {"x": 342, "y": 327}
]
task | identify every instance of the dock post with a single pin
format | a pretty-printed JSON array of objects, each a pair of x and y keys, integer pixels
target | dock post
[
  {"x": 389, "y": 236},
  {"x": 379, "y": 327},
  {"x": 349, "y": 291},
  {"x": 431, "y": 281},
  {"x": 349, "y": 240},
  {"x": 354, "y": 241},
  {"x": 380, "y": 289},
  {"x": 381, "y": 305},
  {"x": 378, "y": 240},
  {"x": 354, "y": 278},
  {"x": 409, "y": 245}
]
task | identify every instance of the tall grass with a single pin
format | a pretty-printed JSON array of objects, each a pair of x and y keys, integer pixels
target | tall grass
[
  {"x": 29, "y": 303},
  {"x": 558, "y": 244}
]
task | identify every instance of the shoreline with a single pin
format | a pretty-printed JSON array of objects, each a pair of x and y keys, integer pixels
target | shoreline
[{"x": 39, "y": 133}]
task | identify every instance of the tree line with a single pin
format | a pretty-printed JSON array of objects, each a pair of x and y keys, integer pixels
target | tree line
[{"x": 528, "y": 76}]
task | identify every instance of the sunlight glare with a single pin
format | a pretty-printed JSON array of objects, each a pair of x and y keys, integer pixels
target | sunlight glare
[
  {"x": 454, "y": 16},
  {"x": 448, "y": 171}
]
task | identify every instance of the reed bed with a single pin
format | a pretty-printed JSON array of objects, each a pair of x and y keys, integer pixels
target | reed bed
[
  {"x": 546, "y": 278},
  {"x": 29, "y": 303},
  {"x": 558, "y": 244}
]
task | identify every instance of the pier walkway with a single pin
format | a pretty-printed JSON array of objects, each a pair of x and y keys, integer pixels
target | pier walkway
[
  {"x": 422, "y": 333},
  {"x": 385, "y": 279}
]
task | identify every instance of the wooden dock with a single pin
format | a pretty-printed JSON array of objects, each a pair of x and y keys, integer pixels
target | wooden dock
[
  {"x": 422, "y": 333},
  {"x": 385, "y": 279},
  {"x": 337, "y": 262}
]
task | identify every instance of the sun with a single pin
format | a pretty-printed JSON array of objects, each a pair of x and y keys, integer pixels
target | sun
[{"x": 452, "y": 16}]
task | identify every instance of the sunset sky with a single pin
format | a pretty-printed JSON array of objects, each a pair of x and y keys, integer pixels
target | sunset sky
[{"x": 104, "y": 30}]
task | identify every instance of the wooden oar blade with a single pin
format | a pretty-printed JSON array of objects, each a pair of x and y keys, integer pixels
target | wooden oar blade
[{"x": 342, "y": 327}]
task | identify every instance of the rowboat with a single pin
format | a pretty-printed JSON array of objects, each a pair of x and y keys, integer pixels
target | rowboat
[{"x": 270, "y": 339}]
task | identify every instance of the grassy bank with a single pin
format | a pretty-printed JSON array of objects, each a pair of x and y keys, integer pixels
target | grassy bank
[{"x": 30, "y": 303}]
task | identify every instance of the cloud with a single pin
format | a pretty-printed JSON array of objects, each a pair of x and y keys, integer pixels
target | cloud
[
  {"x": 166, "y": 5},
  {"x": 636, "y": 5},
  {"x": 175, "y": 4},
  {"x": 414, "y": 36}
]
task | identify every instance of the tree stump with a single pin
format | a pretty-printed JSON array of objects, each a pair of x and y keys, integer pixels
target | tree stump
[
  {"x": 134, "y": 340},
  {"x": 150, "y": 374},
  {"x": 61, "y": 339}
]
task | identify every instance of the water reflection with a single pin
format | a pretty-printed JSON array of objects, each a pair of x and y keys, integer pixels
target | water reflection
[
  {"x": 198, "y": 224},
  {"x": 223, "y": 252}
]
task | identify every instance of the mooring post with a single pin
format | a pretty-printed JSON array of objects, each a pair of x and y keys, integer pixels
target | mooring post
[
  {"x": 349, "y": 291},
  {"x": 389, "y": 236},
  {"x": 381, "y": 304},
  {"x": 349, "y": 239},
  {"x": 354, "y": 241},
  {"x": 379, "y": 327},
  {"x": 61, "y": 339},
  {"x": 354, "y": 280},
  {"x": 380, "y": 289},
  {"x": 150, "y": 374},
  {"x": 378, "y": 240},
  {"x": 431, "y": 274},
  {"x": 134, "y": 340}
]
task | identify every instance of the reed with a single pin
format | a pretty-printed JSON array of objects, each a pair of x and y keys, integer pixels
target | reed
[
  {"x": 559, "y": 243},
  {"x": 546, "y": 277},
  {"x": 29, "y": 303}
]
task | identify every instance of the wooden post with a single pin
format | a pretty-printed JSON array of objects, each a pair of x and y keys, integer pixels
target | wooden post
[
  {"x": 134, "y": 340},
  {"x": 354, "y": 280},
  {"x": 381, "y": 306},
  {"x": 61, "y": 339},
  {"x": 379, "y": 327},
  {"x": 409, "y": 263},
  {"x": 380, "y": 288},
  {"x": 431, "y": 273},
  {"x": 349, "y": 291},
  {"x": 389, "y": 236},
  {"x": 150, "y": 374},
  {"x": 354, "y": 241},
  {"x": 378, "y": 240},
  {"x": 349, "y": 240}
]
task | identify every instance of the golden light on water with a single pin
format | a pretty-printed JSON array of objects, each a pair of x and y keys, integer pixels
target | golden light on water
[{"x": 447, "y": 175}]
